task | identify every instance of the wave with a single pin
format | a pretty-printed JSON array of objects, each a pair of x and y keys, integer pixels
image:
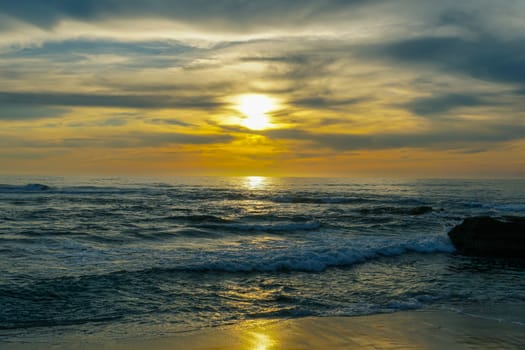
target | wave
[
  {"x": 516, "y": 207},
  {"x": 328, "y": 199},
  {"x": 45, "y": 296},
  {"x": 87, "y": 190},
  {"x": 190, "y": 232},
  {"x": 35, "y": 187},
  {"x": 511, "y": 207},
  {"x": 270, "y": 217},
  {"x": 389, "y": 306},
  {"x": 419, "y": 210},
  {"x": 309, "y": 258},
  {"x": 199, "y": 219},
  {"x": 273, "y": 227},
  {"x": 14, "y": 325},
  {"x": 279, "y": 257}
]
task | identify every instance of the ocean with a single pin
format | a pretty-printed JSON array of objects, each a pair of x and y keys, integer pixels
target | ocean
[{"x": 122, "y": 257}]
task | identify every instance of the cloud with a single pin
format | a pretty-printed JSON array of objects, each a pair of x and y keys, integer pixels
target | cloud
[
  {"x": 134, "y": 139},
  {"x": 219, "y": 14},
  {"x": 485, "y": 58},
  {"x": 99, "y": 100},
  {"x": 461, "y": 18},
  {"x": 326, "y": 103},
  {"x": 435, "y": 139},
  {"x": 21, "y": 112},
  {"x": 168, "y": 121},
  {"x": 152, "y": 139},
  {"x": 81, "y": 49},
  {"x": 291, "y": 59},
  {"x": 435, "y": 105}
]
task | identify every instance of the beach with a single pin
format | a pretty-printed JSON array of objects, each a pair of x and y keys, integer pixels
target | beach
[{"x": 422, "y": 329}]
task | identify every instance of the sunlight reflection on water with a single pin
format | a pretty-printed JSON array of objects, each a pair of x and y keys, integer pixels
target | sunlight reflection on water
[
  {"x": 255, "y": 182},
  {"x": 262, "y": 341}
]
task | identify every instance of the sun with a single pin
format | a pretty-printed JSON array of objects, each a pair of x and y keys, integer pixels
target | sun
[{"x": 255, "y": 108}]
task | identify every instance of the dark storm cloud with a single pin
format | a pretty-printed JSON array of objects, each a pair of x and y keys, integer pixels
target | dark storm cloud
[
  {"x": 435, "y": 105},
  {"x": 99, "y": 100},
  {"x": 485, "y": 58},
  {"x": 233, "y": 13}
]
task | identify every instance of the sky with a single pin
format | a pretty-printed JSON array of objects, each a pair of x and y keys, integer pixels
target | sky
[{"x": 343, "y": 88}]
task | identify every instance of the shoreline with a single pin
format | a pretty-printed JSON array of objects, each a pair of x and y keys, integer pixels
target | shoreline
[{"x": 420, "y": 329}]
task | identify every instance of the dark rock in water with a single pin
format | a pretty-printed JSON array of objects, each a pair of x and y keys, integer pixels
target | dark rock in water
[
  {"x": 420, "y": 210},
  {"x": 486, "y": 236}
]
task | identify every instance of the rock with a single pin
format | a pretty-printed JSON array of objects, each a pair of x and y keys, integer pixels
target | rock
[{"x": 486, "y": 236}]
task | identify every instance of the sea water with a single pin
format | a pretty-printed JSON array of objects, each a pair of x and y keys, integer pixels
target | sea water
[{"x": 137, "y": 257}]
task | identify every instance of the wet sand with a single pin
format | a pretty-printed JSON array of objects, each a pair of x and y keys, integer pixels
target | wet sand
[{"x": 403, "y": 330}]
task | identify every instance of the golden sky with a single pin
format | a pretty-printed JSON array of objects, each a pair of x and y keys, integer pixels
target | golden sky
[{"x": 348, "y": 88}]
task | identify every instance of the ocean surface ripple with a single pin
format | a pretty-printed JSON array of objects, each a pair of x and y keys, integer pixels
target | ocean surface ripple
[{"x": 128, "y": 256}]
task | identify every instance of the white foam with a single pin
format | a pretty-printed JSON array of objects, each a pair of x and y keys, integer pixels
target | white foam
[
  {"x": 363, "y": 308},
  {"x": 411, "y": 304}
]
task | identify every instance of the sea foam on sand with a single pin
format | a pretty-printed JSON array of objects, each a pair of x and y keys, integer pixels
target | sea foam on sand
[{"x": 426, "y": 329}]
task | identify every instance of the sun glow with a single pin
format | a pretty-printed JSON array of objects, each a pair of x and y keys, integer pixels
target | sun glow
[{"x": 255, "y": 108}]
